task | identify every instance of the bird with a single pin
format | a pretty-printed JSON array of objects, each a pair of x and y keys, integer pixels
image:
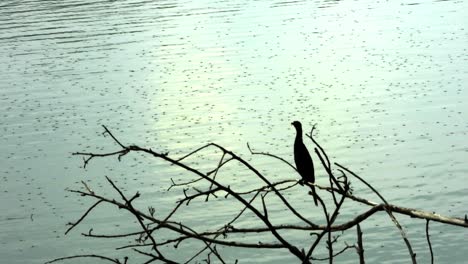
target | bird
[{"x": 304, "y": 163}]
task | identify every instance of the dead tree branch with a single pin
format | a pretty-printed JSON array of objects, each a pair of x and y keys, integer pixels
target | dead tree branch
[{"x": 149, "y": 240}]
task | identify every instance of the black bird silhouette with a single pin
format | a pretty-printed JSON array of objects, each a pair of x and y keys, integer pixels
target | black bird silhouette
[{"x": 304, "y": 163}]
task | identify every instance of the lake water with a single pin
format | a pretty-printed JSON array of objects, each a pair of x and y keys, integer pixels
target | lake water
[{"x": 385, "y": 81}]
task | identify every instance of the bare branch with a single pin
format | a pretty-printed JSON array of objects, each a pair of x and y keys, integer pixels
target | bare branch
[
  {"x": 389, "y": 212},
  {"x": 130, "y": 207},
  {"x": 415, "y": 213},
  {"x": 270, "y": 155},
  {"x": 152, "y": 224},
  {"x": 334, "y": 255},
  {"x": 215, "y": 173},
  {"x": 429, "y": 241},
  {"x": 85, "y": 256},
  {"x": 360, "y": 247},
  {"x": 83, "y": 216},
  {"x": 110, "y": 134}
]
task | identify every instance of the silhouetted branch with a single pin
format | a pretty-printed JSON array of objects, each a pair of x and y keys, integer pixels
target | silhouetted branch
[
  {"x": 270, "y": 155},
  {"x": 389, "y": 212},
  {"x": 429, "y": 241},
  {"x": 215, "y": 173},
  {"x": 320, "y": 235},
  {"x": 264, "y": 179},
  {"x": 328, "y": 229},
  {"x": 415, "y": 213},
  {"x": 360, "y": 247},
  {"x": 239, "y": 198},
  {"x": 83, "y": 216},
  {"x": 327, "y": 165},
  {"x": 325, "y": 161},
  {"x": 253, "y": 200},
  {"x": 335, "y": 254},
  {"x": 88, "y": 256}
]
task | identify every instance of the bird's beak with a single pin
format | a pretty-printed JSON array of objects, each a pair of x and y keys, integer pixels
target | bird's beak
[{"x": 292, "y": 124}]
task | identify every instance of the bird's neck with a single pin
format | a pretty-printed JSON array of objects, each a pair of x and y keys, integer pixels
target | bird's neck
[{"x": 299, "y": 135}]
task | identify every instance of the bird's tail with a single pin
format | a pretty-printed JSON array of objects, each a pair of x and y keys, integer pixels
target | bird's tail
[{"x": 314, "y": 194}]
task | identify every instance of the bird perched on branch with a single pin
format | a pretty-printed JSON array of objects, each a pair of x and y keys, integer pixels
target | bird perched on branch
[{"x": 304, "y": 163}]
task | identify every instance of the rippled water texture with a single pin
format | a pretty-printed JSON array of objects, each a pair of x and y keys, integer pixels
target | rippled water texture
[{"x": 384, "y": 80}]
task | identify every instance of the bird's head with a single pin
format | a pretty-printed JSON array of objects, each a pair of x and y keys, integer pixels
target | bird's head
[{"x": 297, "y": 125}]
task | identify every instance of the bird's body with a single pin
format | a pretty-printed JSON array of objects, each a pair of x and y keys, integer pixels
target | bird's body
[{"x": 302, "y": 158}]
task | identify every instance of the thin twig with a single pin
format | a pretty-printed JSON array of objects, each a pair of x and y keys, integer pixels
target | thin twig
[
  {"x": 85, "y": 256},
  {"x": 215, "y": 173},
  {"x": 360, "y": 247},
  {"x": 115, "y": 139},
  {"x": 73, "y": 225},
  {"x": 334, "y": 255},
  {"x": 270, "y": 155},
  {"x": 429, "y": 241}
]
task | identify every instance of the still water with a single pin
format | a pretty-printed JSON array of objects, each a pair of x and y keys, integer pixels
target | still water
[{"x": 385, "y": 81}]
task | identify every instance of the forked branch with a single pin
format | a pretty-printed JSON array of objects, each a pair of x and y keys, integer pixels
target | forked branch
[{"x": 150, "y": 243}]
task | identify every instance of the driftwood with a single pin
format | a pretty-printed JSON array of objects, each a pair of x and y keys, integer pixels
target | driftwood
[{"x": 149, "y": 245}]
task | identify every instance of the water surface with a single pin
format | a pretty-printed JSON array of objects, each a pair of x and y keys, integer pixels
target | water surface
[{"x": 385, "y": 82}]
